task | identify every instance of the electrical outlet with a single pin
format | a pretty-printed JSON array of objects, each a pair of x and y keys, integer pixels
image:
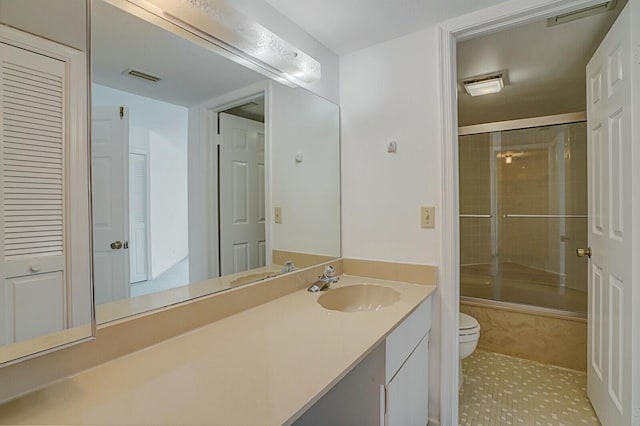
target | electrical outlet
[
  {"x": 278, "y": 215},
  {"x": 428, "y": 217}
]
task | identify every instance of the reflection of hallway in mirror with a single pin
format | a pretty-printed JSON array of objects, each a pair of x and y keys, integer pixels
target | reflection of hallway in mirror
[{"x": 176, "y": 276}]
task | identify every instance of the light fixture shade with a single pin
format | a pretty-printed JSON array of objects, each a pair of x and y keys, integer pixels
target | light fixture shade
[
  {"x": 484, "y": 87},
  {"x": 229, "y": 29}
]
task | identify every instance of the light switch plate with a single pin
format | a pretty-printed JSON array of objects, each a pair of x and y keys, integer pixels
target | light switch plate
[
  {"x": 278, "y": 215},
  {"x": 427, "y": 217}
]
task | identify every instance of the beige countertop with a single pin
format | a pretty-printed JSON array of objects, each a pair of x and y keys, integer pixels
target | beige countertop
[
  {"x": 124, "y": 308},
  {"x": 263, "y": 366}
]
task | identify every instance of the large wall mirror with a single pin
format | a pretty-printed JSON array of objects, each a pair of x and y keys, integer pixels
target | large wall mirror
[{"x": 206, "y": 174}]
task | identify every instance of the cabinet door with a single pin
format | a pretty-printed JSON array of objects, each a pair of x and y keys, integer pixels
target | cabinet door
[
  {"x": 408, "y": 391},
  {"x": 32, "y": 306},
  {"x": 33, "y": 108}
]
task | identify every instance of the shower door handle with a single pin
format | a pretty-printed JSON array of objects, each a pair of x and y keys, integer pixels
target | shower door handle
[{"x": 584, "y": 252}]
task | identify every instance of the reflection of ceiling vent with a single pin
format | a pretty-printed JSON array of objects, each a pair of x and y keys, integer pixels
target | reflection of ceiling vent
[
  {"x": 582, "y": 13},
  {"x": 143, "y": 75}
]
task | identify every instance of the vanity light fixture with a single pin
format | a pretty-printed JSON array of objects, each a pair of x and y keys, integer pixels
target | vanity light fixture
[
  {"x": 508, "y": 159},
  {"x": 249, "y": 43},
  {"x": 484, "y": 85}
]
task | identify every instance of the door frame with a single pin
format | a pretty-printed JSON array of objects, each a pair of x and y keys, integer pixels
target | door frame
[
  {"x": 203, "y": 177},
  {"x": 489, "y": 20}
]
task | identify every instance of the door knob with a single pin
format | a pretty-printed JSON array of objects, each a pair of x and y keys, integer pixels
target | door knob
[
  {"x": 117, "y": 245},
  {"x": 584, "y": 252}
]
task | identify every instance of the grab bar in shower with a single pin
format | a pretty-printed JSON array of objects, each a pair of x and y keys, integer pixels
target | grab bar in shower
[
  {"x": 477, "y": 215},
  {"x": 547, "y": 216}
]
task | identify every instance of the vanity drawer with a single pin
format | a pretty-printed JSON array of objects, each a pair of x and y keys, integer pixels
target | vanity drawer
[{"x": 403, "y": 340}]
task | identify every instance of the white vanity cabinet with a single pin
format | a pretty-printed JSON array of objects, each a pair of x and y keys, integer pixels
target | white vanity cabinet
[
  {"x": 390, "y": 387},
  {"x": 407, "y": 370}
]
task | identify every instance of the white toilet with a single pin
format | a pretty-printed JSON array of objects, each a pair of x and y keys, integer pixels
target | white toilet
[{"x": 468, "y": 335}]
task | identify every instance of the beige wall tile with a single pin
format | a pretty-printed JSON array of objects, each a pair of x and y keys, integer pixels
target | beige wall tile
[
  {"x": 300, "y": 260},
  {"x": 411, "y": 273},
  {"x": 550, "y": 340}
]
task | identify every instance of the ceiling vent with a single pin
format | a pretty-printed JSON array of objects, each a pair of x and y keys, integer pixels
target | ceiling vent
[
  {"x": 142, "y": 75},
  {"x": 581, "y": 13},
  {"x": 485, "y": 84}
]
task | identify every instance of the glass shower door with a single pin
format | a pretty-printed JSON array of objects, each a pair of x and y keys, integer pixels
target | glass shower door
[{"x": 532, "y": 184}]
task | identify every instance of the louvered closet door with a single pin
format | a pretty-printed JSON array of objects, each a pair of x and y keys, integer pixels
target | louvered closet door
[{"x": 32, "y": 208}]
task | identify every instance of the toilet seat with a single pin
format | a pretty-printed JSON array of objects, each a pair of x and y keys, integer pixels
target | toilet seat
[
  {"x": 468, "y": 327},
  {"x": 468, "y": 337}
]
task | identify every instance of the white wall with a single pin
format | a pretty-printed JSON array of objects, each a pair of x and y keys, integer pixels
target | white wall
[
  {"x": 36, "y": 17},
  {"x": 389, "y": 91},
  {"x": 308, "y": 192},
  {"x": 168, "y": 197},
  {"x": 159, "y": 128}
]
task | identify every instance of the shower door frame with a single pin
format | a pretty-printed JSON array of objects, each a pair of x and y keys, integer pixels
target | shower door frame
[{"x": 472, "y": 25}]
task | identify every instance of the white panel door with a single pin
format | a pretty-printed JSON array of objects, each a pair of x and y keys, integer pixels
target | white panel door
[
  {"x": 613, "y": 356},
  {"x": 242, "y": 186},
  {"x": 110, "y": 157},
  {"x": 138, "y": 217}
]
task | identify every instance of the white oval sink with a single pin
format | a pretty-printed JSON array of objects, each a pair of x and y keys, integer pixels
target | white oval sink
[{"x": 359, "y": 297}]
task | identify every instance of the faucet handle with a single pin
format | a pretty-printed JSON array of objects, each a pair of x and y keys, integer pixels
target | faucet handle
[
  {"x": 288, "y": 267},
  {"x": 329, "y": 271}
]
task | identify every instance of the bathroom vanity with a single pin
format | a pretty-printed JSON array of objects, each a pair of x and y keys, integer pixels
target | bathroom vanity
[
  {"x": 267, "y": 365},
  {"x": 107, "y": 320},
  {"x": 389, "y": 387}
]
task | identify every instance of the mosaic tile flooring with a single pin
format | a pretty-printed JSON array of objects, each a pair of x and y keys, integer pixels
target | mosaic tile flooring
[{"x": 502, "y": 390}]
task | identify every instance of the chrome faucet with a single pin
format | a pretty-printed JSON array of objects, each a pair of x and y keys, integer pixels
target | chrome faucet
[
  {"x": 325, "y": 280},
  {"x": 288, "y": 267}
]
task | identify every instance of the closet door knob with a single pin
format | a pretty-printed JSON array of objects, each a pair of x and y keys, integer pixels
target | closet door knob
[{"x": 116, "y": 245}]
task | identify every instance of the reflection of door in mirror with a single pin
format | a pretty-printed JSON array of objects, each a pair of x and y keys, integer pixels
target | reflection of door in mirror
[
  {"x": 242, "y": 194},
  {"x": 138, "y": 216},
  {"x": 109, "y": 152},
  {"x": 139, "y": 193},
  {"x": 45, "y": 293},
  {"x": 32, "y": 194}
]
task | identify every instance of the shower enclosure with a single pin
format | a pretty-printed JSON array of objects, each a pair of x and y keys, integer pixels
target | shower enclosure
[{"x": 523, "y": 205}]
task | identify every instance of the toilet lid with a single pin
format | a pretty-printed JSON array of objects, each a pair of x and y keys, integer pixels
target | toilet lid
[{"x": 467, "y": 322}]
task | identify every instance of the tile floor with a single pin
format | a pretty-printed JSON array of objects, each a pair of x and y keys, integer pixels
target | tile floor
[
  {"x": 502, "y": 390},
  {"x": 176, "y": 276}
]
